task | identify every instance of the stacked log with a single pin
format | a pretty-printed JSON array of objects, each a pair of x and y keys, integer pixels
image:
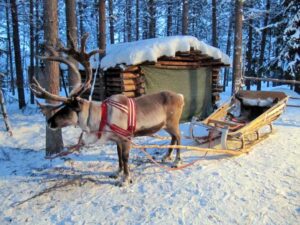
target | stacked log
[
  {"x": 216, "y": 87},
  {"x": 98, "y": 92},
  {"x": 129, "y": 82}
]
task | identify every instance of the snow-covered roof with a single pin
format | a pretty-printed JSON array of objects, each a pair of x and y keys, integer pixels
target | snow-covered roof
[{"x": 149, "y": 50}]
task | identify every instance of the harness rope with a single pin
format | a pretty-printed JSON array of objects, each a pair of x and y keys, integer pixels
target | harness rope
[{"x": 94, "y": 80}]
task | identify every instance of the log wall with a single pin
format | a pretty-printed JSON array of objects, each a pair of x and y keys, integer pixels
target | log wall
[
  {"x": 99, "y": 89},
  {"x": 131, "y": 81}
]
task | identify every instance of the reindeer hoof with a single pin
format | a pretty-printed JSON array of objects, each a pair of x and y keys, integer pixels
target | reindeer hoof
[
  {"x": 176, "y": 163},
  {"x": 166, "y": 158},
  {"x": 115, "y": 175},
  {"x": 125, "y": 181}
]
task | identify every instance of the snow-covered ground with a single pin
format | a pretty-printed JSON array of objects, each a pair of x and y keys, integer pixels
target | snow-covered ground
[{"x": 262, "y": 187}]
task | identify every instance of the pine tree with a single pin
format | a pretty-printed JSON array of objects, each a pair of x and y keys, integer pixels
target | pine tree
[
  {"x": 102, "y": 24},
  {"x": 237, "y": 58},
  {"x": 137, "y": 20},
  {"x": 9, "y": 48},
  {"x": 169, "y": 17},
  {"x": 129, "y": 20},
  {"x": 31, "y": 71},
  {"x": 111, "y": 21},
  {"x": 214, "y": 23},
  {"x": 71, "y": 21},
  {"x": 289, "y": 57},
  {"x": 249, "y": 55},
  {"x": 228, "y": 48},
  {"x": 152, "y": 19},
  {"x": 18, "y": 59},
  {"x": 263, "y": 44},
  {"x": 81, "y": 17},
  {"x": 54, "y": 141},
  {"x": 185, "y": 16}
]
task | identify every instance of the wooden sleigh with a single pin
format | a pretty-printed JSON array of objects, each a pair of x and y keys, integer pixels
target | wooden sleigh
[{"x": 258, "y": 109}]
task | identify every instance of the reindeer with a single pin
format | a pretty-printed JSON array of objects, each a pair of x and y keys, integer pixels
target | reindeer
[{"x": 149, "y": 113}]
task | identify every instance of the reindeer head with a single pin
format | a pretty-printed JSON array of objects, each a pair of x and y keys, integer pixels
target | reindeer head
[
  {"x": 64, "y": 114},
  {"x": 71, "y": 108}
]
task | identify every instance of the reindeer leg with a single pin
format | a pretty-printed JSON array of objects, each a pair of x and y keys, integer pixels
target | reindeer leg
[
  {"x": 177, "y": 160},
  {"x": 116, "y": 174},
  {"x": 176, "y": 140},
  {"x": 167, "y": 156},
  {"x": 125, "y": 158}
]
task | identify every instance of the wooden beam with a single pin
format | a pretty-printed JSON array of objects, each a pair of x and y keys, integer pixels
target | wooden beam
[
  {"x": 193, "y": 148},
  {"x": 178, "y": 58},
  {"x": 124, "y": 82},
  {"x": 139, "y": 79},
  {"x": 130, "y": 94},
  {"x": 177, "y": 63},
  {"x": 212, "y": 64},
  {"x": 291, "y": 97},
  {"x": 112, "y": 70},
  {"x": 128, "y": 75},
  {"x": 176, "y": 67},
  {"x": 272, "y": 79},
  {"x": 217, "y": 89},
  {"x": 296, "y": 106},
  {"x": 121, "y": 88},
  {"x": 132, "y": 69},
  {"x": 113, "y": 79}
]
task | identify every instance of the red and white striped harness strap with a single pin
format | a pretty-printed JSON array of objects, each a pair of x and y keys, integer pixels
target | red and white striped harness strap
[
  {"x": 117, "y": 105},
  {"x": 130, "y": 110}
]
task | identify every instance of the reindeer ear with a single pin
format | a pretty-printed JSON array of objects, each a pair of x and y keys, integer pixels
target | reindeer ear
[
  {"x": 42, "y": 108},
  {"x": 78, "y": 106}
]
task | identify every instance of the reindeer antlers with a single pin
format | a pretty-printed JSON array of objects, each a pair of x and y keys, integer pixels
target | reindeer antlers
[
  {"x": 80, "y": 56},
  {"x": 42, "y": 93}
]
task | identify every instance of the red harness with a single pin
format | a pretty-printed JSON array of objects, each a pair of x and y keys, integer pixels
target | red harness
[{"x": 130, "y": 110}]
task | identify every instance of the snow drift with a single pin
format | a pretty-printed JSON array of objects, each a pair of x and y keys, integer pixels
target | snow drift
[{"x": 149, "y": 50}]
